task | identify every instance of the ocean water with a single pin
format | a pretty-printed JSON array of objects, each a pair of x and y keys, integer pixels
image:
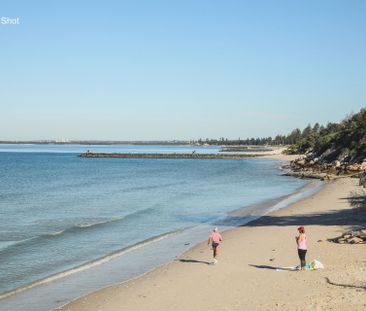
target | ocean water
[{"x": 59, "y": 212}]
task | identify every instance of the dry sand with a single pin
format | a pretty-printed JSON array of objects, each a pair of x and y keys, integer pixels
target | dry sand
[
  {"x": 275, "y": 153},
  {"x": 245, "y": 278}
]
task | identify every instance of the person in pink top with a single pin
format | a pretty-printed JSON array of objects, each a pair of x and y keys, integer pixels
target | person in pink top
[
  {"x": 215, "y": 238},
  {"x": 301, "y": 247}
]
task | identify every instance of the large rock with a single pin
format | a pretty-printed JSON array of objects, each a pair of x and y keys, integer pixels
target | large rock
[
  {"x": 351, "y": 237},
  {"x": 355, "y": 240},
  {"x": 354, "y": 167},
  {"x": 362, "y": 234}
]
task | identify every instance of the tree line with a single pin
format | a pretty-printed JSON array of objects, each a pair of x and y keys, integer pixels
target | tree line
[
  {"x": 304, "y": 138},
  {"x": 343, "y": 141}
]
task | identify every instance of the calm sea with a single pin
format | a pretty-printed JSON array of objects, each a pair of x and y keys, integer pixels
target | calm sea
[{"x": 59, "y": 212}]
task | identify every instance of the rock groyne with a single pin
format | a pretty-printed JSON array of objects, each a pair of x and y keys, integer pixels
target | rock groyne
[{"x": 89, "y": 154}]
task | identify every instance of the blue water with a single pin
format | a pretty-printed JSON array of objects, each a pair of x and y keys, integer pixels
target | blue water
[{"x": 59, "y": 211}]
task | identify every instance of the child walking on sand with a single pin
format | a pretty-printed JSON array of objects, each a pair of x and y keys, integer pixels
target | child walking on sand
[
  {"x": 215, "y": 239},
  {"x": 301, "y": 247}
]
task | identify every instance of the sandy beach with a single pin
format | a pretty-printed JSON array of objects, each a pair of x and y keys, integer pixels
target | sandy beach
[{"x": 246, "y": 276}]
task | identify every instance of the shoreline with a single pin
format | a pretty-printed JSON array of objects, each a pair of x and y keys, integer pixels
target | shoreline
[
  {"x": 192, "y": 261},
  {"x": 88, "y": 265}
]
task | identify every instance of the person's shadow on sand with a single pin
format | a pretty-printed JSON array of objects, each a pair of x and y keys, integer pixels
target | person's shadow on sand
[
  {"x": 272, "y": 267},
  {"x": 194, "y": 261}
]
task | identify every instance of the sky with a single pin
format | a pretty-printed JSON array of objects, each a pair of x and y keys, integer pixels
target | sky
[{"x": 161, "y": 70}]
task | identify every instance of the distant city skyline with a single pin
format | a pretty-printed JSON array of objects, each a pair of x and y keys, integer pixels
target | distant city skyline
[{"x": 165, "y": 70}]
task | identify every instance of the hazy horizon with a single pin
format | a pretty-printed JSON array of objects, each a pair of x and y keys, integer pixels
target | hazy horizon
[{"x": 161, "y": 70}]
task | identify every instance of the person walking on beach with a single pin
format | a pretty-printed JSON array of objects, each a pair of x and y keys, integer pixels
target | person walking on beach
[
  {"x": 301, "y": 247},
  {"x": 215, "y": 238}
]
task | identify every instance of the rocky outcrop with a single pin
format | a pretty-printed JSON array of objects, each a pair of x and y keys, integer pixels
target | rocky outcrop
[
  {"x": 351, "y": 237},
  {"x": 308, "y": 166}
]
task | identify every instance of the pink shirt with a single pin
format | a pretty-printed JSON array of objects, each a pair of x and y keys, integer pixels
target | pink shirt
[
  {"x": 302, "y": 243},
  {"x": 216, "y": 237}
]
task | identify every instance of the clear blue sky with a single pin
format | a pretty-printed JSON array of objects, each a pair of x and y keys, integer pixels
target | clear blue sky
[{"x": 134, "y": 70}]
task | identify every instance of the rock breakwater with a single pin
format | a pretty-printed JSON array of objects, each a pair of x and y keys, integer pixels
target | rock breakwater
[{"x": 89, "y": 154}]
